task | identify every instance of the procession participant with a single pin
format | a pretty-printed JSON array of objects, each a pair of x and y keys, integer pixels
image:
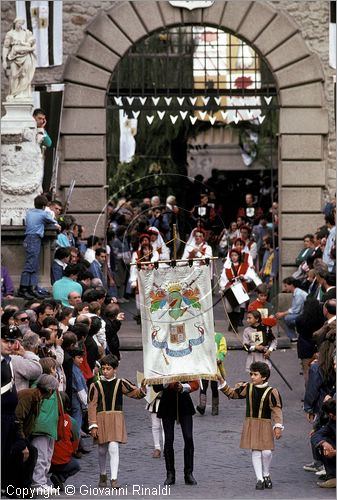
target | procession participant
[
  {"x": 156, "y": 426},
  {"x": 261, "y": 304},
  {"x": 106, "y": 417},
  {"x": 176, "y": 405},
  {"x": 221, "y": 351},
  {"x": 158, "y": 244},
  {"x": 258, "y": 340},
  {"x": 264, "y": 404},
  {"x": 196, "y": 246},
  {"x": 145, "y": 253},
  {"x": 234, "y": 268}
]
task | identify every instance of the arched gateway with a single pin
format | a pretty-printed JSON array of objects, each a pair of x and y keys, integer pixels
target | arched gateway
[{"x": 298, "y": 74}]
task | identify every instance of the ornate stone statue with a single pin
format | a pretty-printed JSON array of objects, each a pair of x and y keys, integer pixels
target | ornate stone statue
[{"x": 19, "y": 57}]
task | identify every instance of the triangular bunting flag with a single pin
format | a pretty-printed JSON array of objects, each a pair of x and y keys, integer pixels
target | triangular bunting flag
[
  {"x": 135, "y": 114},
  {"x": 150, "y": 118},
  {"x": 168, "y": 100},
  {"x": 268, "y": 99},
  {"x": 183, "y": 114},
  {"x": 193, "y": 119},
  {"x": 224, "y": 114},
  {"x": 236, "y": 119},
  {"x": 205, "y": 99},
  {"x": 217, "y": 100},
  {"x": 261, "y": 118},
  {"x": 212, "y": 119},
  {"x": 202, "y": 114},
  {"x": 155, "y": 100},
  {"x": 118, "y": 101},
  {"x": 130, "y": 100},
  {"x": 173, "y": 118},
  {"x": 193, "y": 100},
  {"x": 143, "y": 100},
  {"x": 161, "y": 114},
  {"x": 180, "y": 100}
]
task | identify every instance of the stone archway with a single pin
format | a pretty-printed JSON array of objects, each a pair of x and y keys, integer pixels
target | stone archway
[{"x": 299, "y": 78}]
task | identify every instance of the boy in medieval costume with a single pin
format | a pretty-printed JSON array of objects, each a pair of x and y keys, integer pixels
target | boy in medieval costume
[
  {"x": 106, "y": 417},
  {"x": 221, "y": 351},
  {"x": 263, "y": 405}
]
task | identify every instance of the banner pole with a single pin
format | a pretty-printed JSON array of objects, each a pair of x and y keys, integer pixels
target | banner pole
[{"x": 174, "y": 242}]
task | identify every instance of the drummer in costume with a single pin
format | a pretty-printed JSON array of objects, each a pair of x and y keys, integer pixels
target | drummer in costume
[
  {"x": 106, "y": 418},
  {"x": 263, "y": 406},
  {"x": 176, "y": 405},
  {"x": 235, "y": 267},
  {"x": 258, "y": 340}
]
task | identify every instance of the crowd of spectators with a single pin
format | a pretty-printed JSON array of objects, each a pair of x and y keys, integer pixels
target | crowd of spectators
[{"x": 62, "y": 333}]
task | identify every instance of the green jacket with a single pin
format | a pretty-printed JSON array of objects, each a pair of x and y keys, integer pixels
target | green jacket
[{"x": 47, "y": 420}]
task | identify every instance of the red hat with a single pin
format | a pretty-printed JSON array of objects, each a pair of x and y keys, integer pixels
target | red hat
[{"x": 144, "y": 235}]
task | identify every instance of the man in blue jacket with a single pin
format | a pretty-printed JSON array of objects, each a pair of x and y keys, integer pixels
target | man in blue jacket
[{"x": 36, "y": 220}]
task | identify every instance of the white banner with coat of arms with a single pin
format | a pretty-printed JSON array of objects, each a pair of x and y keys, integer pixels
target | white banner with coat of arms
[{"x": 177, "y": 324}]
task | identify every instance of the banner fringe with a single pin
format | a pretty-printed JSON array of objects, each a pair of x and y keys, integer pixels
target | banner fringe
[{"x": 178, "y": 378}]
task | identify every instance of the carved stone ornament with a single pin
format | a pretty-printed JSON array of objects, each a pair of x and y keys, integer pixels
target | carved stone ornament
[{"x": 192, "y": 4}]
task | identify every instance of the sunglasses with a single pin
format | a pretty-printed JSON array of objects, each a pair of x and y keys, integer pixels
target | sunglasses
[{"x": 23, "y": 319}]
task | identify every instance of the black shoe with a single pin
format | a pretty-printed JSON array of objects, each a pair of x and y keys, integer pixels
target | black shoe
[
  {"x": 267, "y": 483},
  {"x": 57, "y": 482},
  {"x": 201, "y": 409},
  {"x": 170, "y": 479},
  {"x": 25, "y": 293},
  {"x": 33, "y": 291},
  {"x": 259, "y": 485},
  {"x": 189, "y": 479}
]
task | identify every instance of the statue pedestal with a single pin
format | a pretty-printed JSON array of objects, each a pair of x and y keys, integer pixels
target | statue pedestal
[
  {"x": 18, "y": 116},
  {"x": 21, "y": 174}
]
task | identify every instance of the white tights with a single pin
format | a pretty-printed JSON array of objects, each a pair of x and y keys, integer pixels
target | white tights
[
  {"x": 113, "y": 450},
  {"x": 261, "y": 463},
  {"x": 157, "y": 429}
]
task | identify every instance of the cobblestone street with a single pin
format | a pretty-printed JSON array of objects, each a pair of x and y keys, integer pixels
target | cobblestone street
[{"x": 222, "y": 469}]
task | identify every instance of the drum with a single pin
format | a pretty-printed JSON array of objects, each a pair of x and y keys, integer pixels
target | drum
[{"x": 236, "y": 294}]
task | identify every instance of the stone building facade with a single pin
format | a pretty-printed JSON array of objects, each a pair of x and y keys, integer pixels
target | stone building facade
[{"x": 293, "y": 38}]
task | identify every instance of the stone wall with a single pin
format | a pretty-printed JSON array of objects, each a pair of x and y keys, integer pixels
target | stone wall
[{"x": 311, "y": 16}]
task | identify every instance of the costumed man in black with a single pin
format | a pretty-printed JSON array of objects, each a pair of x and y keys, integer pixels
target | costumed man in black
[
  {"x": 176, "y": 405},
  {"x": 18, "y": 457}
]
